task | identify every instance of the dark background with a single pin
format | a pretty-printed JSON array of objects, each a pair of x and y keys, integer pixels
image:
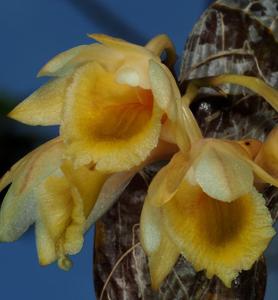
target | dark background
[{"x": 32, "y": 32}]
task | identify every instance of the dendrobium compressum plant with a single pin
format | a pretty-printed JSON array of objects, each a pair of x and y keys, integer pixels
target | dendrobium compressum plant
[
  {"x": 204, "y": 203},
  {"x": 119, "y": 109}
]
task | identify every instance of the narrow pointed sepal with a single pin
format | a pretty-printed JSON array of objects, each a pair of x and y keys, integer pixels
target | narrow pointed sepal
[
  {"x": 44, "y": 106},
  {"x": 66, "y": 62},
  {"x": 161, "y": 251},
  {"x": 46, "y": 248},
  {"x": 166, "y": 182},
  {"x": 162, "y": 261},
  {"x": 164, "y": 93},
  {"x": 58, "y": 65},
  {"x": 18, "y": 210}
]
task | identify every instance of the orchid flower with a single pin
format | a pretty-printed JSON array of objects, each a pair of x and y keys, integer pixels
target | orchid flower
[
  {"x": 61, "y": 200},
  {"x": 119, "y": 109},
  {"x": 204, "y": 204},
  {"x": 102, "y": 98},
  {"x": 48, "y": 191},
  {"x": 110, "y": 127}
]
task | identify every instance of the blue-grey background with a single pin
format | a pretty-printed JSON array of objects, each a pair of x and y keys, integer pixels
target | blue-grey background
[{"x": 31, "y": 32}]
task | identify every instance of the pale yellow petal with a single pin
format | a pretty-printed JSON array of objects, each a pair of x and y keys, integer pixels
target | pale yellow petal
[
  {"x": 167, "y": 96},
  {"x": 222, "y": 175},
  {"x": 44, "y": 106},
  {"x": 188, "y": 131},
  {"x": 259, "y": 171},
  {"x": 56, "y": 65},
  {"x": 167, "y": 180},
  {"x": 186, "y": 120},
  {"x": 221, "y": 238},
  {"x": 161, "y": 251},
  {"x": 9, "y": 176},
  {"x": 66, "y": 62},
  {"x": 111, "y": 190},
  {"x": 18, "y": 210},
  {"x": 162, "y": 262},
  {"x": 115, "y": 126},
  {"x": 162, "y": 89},
  {"x": 46, "y": 247},
  {"x": 150, "y": 228}
]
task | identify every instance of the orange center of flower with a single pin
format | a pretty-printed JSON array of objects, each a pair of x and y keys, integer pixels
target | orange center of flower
[
  {"x": 111, "y": 124},
  {"x": 221, "y": 221},
  {"x": 222, "y": 238},
  {"x": 125, "y": 118},
  {"x": 218, "y": 224}
]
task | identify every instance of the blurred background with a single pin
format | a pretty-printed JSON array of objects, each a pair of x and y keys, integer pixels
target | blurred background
[{"x": 32, "y": 32}]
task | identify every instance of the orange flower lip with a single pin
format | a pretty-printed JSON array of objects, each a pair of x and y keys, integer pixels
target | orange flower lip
[
  {"x": 222, "y": 238},
  {"x": 114, "y": 125},
  {"x": 123, "y": 120}
]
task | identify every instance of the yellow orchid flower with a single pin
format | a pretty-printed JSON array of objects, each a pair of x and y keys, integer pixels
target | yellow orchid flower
[
  {"x": 204, "y": 203},
  {"x": 111, "y": 121},
  {"x": 102, "y": 96},
  {"x": 48, "y": 191},
  {"x": 61, "y": 200}
]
